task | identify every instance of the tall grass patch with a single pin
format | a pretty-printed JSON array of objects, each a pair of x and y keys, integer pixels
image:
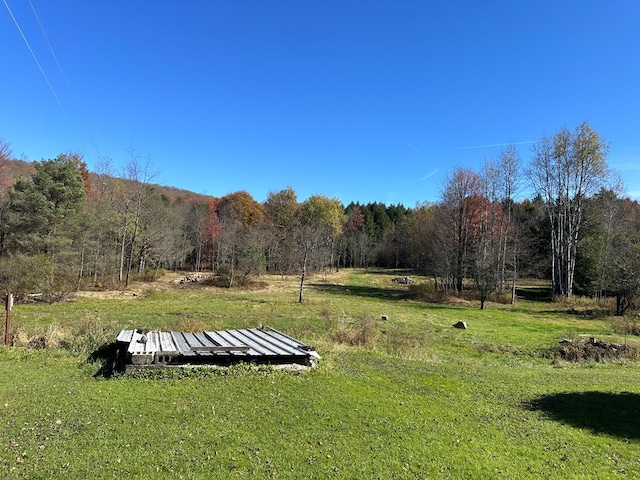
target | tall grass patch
[{"x": 362, "y": 331}]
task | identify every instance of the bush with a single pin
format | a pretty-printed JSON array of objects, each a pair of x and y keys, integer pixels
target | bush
[{"x": 24, "y": 274}]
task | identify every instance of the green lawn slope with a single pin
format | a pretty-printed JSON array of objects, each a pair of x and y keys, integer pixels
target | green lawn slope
[{"x": 406, "y": 397}]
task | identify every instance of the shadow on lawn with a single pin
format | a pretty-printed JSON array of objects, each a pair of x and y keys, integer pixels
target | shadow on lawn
[
  {"x": 372, "y": 292},
  {"x": 616, "y": 414},
  {"x": 534, "y": 294},
  {"x": 111, "y": 359}
]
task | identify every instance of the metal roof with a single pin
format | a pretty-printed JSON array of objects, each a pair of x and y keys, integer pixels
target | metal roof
[{"x": 261, "y": 345}]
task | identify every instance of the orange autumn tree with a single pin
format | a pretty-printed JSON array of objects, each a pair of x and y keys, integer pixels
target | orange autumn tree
[{"x": 241, "y": 238}]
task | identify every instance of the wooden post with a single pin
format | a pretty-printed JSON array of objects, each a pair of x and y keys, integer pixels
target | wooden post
[{"x": 7, "y": 323}]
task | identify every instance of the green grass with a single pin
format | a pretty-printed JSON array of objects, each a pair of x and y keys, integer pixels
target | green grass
[{"x": 424, "y": 400}]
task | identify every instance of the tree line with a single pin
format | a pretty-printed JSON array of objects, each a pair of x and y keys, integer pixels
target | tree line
[{"x": 63, "y": 228}]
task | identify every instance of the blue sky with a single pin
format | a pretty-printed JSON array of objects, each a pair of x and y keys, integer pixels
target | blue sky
[{"x": 360, "y": 100}]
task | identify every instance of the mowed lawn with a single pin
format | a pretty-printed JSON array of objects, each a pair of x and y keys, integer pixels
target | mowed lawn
[{"x": 415, "y": 398}]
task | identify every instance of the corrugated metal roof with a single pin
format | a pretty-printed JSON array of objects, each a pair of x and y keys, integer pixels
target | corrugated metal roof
[{"x": 263, "y": 345}]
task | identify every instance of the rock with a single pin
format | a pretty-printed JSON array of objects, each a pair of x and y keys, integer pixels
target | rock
[{"x": 462, "y": 325}]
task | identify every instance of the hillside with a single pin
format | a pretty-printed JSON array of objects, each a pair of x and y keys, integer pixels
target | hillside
[{"x": 14, "y": 169}]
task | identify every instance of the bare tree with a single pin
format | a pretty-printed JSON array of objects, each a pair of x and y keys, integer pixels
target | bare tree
[
  {"x": 138, "y": 176},
  {"x": 503, "y": 178}
]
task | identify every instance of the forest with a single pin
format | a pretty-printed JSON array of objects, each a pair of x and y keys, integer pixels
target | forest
[{"x": 63, "y": 228}]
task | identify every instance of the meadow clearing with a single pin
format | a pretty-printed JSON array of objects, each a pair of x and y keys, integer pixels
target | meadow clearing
[{"x": 406, "y": 397}]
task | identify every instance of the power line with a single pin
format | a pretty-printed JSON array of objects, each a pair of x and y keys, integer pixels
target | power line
[
  {"x": 44, "y": 75},
  {"x": 64, "y": 77}
]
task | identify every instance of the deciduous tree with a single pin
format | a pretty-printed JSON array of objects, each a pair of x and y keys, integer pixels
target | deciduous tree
[
  {"x": 566, "y": 170},
  {"x": 281, "y": 209},
  {"x": 457, "y": 217},
  {"x": 319, "y": 221}
]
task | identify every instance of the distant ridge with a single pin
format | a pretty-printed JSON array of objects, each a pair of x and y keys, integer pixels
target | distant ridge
[{"x": 14, "y": 169}]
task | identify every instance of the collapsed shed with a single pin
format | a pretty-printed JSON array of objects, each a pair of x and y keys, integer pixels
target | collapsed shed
[{"x": 264, "y": 345}]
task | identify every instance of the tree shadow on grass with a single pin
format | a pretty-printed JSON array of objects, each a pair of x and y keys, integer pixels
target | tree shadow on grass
[
  {"x": 371, "y": 292},
  {"x": 616, "y": 414},
  {"x": 111, "y": 359},
  {"x": 534, "y": 294}
]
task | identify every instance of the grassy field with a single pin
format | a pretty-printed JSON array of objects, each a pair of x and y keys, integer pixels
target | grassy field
[{"x": 409, "y": 397}]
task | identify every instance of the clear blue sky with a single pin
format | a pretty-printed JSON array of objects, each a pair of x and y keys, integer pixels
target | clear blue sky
[{"x": 360, "y": 100}]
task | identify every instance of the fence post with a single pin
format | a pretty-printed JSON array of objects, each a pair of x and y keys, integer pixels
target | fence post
[{"x": 7, "y": 322}]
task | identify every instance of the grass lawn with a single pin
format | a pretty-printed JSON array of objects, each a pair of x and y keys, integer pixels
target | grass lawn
[{"x": 416, "y": 399}]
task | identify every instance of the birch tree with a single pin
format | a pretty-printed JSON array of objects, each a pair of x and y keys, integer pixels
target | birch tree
[{"x": 566, "y": 170}]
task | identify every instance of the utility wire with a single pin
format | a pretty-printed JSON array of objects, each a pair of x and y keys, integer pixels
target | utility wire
[
  {"x": 44, "y": 75},
  {"x": 64, "y": 77}
]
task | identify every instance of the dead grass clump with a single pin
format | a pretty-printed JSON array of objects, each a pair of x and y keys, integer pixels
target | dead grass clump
[
  {"x": 426, "y": 292},
  {"x": 625, "y": 326},
  {"x": 503, "y": 298},
  {"x": 83, "y": 338},
  {"x": 19, "y": 337},
  {"x": 362, "y": 333},
  {"x": 54, "y": 336},
  {"x": 496, "y": 348},
  {"x": 585, "y": 307}
]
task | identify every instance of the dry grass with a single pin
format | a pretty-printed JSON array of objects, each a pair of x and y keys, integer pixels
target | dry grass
[
  {"x": 625, "y": 326},
  {"x": 362, "y": 332}
]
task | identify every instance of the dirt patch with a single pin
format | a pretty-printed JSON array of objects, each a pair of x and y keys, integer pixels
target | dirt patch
[
  {"x": 174, "y": 280},
  {"x": 110, "y": 295}
]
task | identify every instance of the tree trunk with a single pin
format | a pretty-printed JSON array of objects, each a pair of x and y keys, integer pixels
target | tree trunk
[{"x": 304, "y": 271}]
